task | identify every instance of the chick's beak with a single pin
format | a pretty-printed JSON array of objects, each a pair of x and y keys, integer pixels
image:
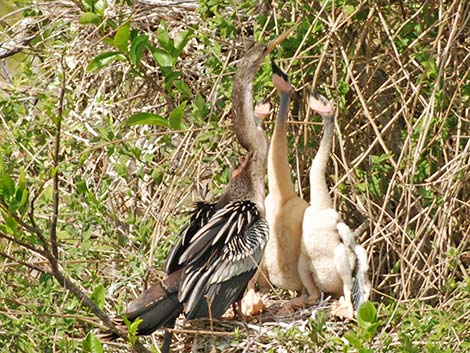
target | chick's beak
[
  {"x": 320, "y": 104},
  {"x": 263, "y": 109}
]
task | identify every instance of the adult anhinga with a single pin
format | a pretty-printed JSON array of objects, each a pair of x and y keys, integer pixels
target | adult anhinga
[
  {"x": 220, "y": 249},
  {"x": 330, "y": 260}
]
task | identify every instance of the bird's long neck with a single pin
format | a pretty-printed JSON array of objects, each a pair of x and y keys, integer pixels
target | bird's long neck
[
  {"x": 319, "y": 195},
  {"x": 279, "y": 178},
  {"x": 243, "y": 114},
  {"x": 249, "y": 183}
]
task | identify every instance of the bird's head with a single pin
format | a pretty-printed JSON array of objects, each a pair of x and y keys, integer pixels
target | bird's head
[
  {"x": 321, "y": 105},
  {"x": 262, "y": 111},
  {"x": 280, "y": 79}
]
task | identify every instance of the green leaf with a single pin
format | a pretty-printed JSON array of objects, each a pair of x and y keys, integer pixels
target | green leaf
[
  {"x": 144, "y": 118},
  {"x": 170, "y": 76},
  {"x": 81, "y": 186},
  {"x": 47, "y": 194},
  {"x": 163, "y": 38},
  {"x": 162, "y": 57},
  {"x": 104, "y": 59},
  {"x": 24, "y": 204},
  {"x": 371, "y": 330},
  {"x": 181, "y": 40},
  {"x": 7, "y": 186},
  {"x": 157, "y": 175},
  {"x": 91, "y": 344},
  {"x": 137, "y": 49},
  {"x": 183, "y": 88},
  {"x": 133, "y": 330},
  {"x": 121, "y": 38},
  {"x": 21, "y": 197},
  {"x": 367, "y": 320},
  {"x": 134, "y": 326},
  {"x": 367, "y": 313},
  {"x": 89, "y": 18},
  {"x": 87, "y": 4},
  {"x": 176, "y": 117},
  {"x": 108, "y": 40},
  {"x": 22, "y": 180},
  {"x": 100, "y": 6},
  {"x": 53, "y": 171},
  {"x": 200, "y": 107},
  {"x": 98, "y": 296},
  {"x": 353, "y": 339},
  {"x": 343, "y": 88},
  {"x": 10, "y": 223},
  {"x": 349, "y": 9}
]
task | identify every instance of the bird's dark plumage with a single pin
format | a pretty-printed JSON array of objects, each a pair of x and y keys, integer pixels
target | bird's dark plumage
[
  {"x": 215, "y": 264},
  {"x": 200, "y": 215},
  {"x": 222, "y": 257},
  {"x": 223, "y": 243},
  {"x": 158, "y": 306}
]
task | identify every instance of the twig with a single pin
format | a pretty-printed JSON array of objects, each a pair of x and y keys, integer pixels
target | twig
[
  {"x": 17, "y": 45},
  {"x": 31, "y": 216},
  {"x": 23, "y": 244},
  {"x": 56, "y": 156},
  {"x": 54, "y": 256},
  {"x": 203, "y": 332},
  {"x": 32, "y": 267}
]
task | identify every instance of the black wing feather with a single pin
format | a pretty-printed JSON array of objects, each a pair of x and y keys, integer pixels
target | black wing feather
[
  {"x": 221, "y": 259},
  {"x": 213, "y": 265},
  {"x": 200, "y": 215},
  {"x": 218, "y": 229}
]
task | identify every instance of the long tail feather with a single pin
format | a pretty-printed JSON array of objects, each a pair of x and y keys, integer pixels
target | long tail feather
[
  {"x": 361, "y": 283},
  {"x": 158, "y": 306}
]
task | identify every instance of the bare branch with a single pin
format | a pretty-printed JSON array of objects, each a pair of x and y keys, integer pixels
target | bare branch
[
  {"x": 26, "y": 264},
  {"x": 20, "y": 41},
  {"x": 56, "y": 156},
  {"x": 30, "y": 228},
  {"x": 23, "y": 244},
  {"x": 79, "y": 294}
]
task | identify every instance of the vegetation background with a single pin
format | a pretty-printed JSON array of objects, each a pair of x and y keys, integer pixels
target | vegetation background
[{"x": 115, "y": 117}]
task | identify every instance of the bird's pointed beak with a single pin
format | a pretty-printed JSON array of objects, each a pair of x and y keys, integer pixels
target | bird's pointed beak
[
  {"x": 276, "y": 41},
  {"x": 320, "y": 104}
]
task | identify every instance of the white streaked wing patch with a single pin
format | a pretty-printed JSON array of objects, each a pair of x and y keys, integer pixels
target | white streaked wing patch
[
  {"x": 226, "y": 249},
  {"x": 242, "y": 254}
]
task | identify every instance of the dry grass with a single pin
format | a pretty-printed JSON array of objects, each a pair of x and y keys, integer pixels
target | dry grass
[{"x": 401, "y": 155}]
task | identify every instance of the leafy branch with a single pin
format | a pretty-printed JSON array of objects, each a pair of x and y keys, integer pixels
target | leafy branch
[{"x": 13, "y": 204}]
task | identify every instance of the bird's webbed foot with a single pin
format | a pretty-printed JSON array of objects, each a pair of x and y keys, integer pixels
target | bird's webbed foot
[
  {"x": 252, "y": 303},
  {"x": 292, "y": 305},
  {"x": 343, "y": 308}
]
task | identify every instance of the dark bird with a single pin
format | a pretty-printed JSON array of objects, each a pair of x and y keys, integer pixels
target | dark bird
[{"x": 223, "y": 243}]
